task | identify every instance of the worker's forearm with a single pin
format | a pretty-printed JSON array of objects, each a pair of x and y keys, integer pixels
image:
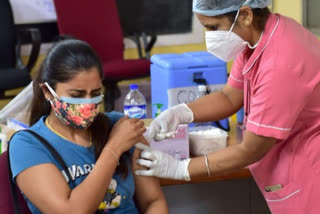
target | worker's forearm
[
  {"x": 220, "y": 162},
  {"x": 213, "y": 107},
  {"x": 251, "y": 150}
]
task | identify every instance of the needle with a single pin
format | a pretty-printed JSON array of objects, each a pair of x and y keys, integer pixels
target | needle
[{"x": 161, "y": 136}]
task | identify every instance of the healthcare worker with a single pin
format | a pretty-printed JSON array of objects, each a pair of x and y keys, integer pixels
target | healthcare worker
[{"x": 276, "y": 77}]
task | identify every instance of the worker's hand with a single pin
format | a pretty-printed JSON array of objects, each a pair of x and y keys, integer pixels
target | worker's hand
[
  {"x": 161, "y": 164},
  {"x": 168, "y": 121}
]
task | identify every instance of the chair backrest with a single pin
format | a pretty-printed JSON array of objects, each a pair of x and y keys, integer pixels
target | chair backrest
[
  {"x": 7, "y": 36},
  {"x": 6, "y": 202},
  {"x": 96, "y": 22}
]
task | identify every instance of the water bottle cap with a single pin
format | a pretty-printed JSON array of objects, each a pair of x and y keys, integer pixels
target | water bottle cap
[
  {"x": 202, "y": 88},
  {"x": 133, "y": 87}
]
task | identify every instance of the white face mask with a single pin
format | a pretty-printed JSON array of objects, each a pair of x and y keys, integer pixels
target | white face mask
[{"x": 225, "y": 45}]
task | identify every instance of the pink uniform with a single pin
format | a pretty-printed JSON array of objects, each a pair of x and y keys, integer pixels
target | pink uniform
[{"x": 281, "y": 83}]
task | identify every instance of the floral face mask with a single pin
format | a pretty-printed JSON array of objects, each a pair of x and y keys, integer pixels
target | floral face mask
[{"x": 75, "y": 112}]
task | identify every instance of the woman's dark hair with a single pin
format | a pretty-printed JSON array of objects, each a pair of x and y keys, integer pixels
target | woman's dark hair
[
  {"x": 65, "y": 60},
  {"x": 260, "y": 16}
]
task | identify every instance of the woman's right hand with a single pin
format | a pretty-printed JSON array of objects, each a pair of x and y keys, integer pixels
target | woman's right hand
[{"x": 125, "y": 133}]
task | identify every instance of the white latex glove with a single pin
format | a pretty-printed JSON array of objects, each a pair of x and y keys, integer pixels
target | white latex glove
[
  {"x": 161, "y": 164},
  {"x": 168, "y": 121}
]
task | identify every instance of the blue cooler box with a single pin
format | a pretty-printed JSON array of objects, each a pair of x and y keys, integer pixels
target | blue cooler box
[{"x": 175, "y": 78}]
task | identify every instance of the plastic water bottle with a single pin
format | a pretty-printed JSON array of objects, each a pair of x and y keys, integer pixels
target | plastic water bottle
[
  {"x": 202, "y": 91},
  {"x": 134, "y": 104}
]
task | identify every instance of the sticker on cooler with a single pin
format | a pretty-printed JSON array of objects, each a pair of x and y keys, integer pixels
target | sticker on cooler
[
  {"x": 136, "y": 111},
  {"x": 187, "y": 94}
]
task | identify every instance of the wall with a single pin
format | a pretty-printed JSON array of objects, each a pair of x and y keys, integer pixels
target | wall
[{"x": 291, "y": 8}]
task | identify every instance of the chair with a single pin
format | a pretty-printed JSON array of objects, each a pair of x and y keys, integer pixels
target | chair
[
  {"x": 6, "y": 202},
  {"x": 13, "y": 73},
  {"x": 97, "y": 22}
]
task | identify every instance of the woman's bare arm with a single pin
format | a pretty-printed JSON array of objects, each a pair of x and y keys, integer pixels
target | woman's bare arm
[{"x": 148, "y": 195}]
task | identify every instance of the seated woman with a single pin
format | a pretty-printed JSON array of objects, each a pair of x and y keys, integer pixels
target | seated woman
[{"x": 97, "y": 148}]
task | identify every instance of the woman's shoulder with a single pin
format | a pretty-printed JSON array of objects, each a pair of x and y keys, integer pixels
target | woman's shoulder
[
  {"x": 26, "y": 137},
  {"x": 114, "y": 116},
  {"x": 25, "y": 150},
  {"x": 22, "y": 141}
]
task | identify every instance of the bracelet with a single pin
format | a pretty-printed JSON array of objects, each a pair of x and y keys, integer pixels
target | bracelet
[
  {"x": 207, "y": 164},
  {"x": 114, "y": 155}
]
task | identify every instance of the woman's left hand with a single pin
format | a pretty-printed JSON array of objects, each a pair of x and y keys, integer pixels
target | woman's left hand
[
  {"x": 125, "y": 133},
  {"x": 161, "y": 164}
]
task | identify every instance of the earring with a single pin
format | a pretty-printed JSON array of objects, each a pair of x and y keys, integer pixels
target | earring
[{"x": 247, "y": 22}]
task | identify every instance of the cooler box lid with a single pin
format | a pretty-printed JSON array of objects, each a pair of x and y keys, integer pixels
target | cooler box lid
[{"x": 188, "y": 60}]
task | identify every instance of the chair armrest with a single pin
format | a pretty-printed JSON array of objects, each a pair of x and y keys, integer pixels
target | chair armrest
[
  {"x": 147, "y": 45},
  {"x": 62, "y": 37},
  {"x": 28, "y": 34},
  {"x": 138, "y": 43}
]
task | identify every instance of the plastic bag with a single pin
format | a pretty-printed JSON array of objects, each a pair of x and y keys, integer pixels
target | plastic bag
[{"x": 19, "y": 107}]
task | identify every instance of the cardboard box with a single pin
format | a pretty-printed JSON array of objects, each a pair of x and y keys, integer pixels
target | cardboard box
[
  {"x": 7, "y": 132},
  {"x": 177, "y": 147}
]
